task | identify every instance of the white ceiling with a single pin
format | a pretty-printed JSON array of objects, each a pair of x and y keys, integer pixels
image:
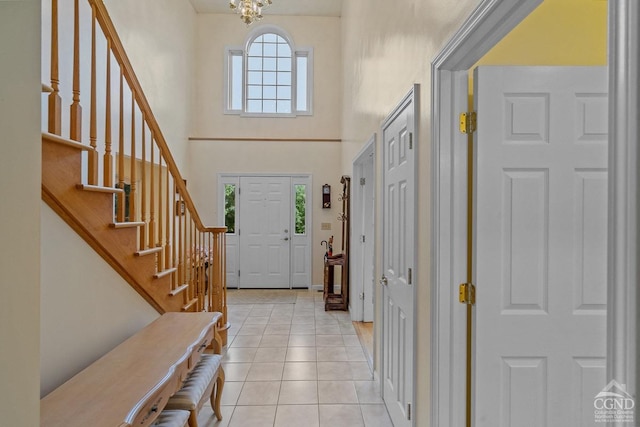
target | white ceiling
[{"x": 279, "y": 7}]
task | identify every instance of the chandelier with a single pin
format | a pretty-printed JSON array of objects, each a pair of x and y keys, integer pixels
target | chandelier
[{"x": 249, "y": 10}]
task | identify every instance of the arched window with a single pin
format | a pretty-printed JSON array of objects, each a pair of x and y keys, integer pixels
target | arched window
[{"x": 269, "y": 77}]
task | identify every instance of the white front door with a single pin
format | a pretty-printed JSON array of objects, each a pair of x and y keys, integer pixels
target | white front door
[
  {"x": 540, "y": 245},
  {"x": 265, "y": 232},
  {"x": 398, "y": 237}
]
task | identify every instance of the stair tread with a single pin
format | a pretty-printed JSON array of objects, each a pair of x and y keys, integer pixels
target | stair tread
[
  {"x": 66, "y": 141},
  {"x": 166, "y": 272},
  {"x": 149, "y": 251},
  {"x": 179, "y": 289},
  {"x": 190, "y": 304},
  {"x": 128, "y": 224},
  {"x": 98, "y": 188}
]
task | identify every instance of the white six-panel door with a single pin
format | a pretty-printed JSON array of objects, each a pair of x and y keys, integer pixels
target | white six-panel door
[
  {"x": 265, "y": 235},
  {"x": 540, "y": 245},
  {"x": 398, "y": 239}
]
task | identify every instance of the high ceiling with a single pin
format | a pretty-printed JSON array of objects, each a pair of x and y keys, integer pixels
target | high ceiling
[{"x": 279, "y": 7}]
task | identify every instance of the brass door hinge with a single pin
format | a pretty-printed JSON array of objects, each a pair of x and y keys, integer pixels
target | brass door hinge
[
  {"x": 467, "y": 293},
  {"x": 468, "y": 122}
]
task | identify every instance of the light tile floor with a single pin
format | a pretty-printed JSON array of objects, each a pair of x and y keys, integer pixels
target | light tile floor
[{"x": 288, "y": 363}]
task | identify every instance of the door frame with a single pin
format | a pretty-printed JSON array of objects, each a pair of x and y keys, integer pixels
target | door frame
[
  {"x": 296, "y": 178},
  {"x": 486, "y": 25},
  {"x": 357, "y": 210}
]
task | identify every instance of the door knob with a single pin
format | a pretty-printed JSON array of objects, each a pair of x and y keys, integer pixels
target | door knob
[
  {"x": 285, "y": 239},
  {"x": 383, "y": 280}
]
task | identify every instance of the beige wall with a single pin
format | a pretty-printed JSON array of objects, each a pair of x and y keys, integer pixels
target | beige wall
[
  {"x": 162, "y": 60},
  {"x": 159, "y": 38},
  {"x": 87, "y": 308},
  {"x": 20, "y": 225},
  {"x": 386, "y": 49},
  {"x": 319, "y": 159}
]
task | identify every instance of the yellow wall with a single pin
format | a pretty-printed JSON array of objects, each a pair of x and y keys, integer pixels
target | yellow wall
[{"x": 558, "y": 32}]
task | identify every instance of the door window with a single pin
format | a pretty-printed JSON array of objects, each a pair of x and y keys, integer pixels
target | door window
[
  {"x": 300, "y": 209},
  {"x": 230, "y": 208}
]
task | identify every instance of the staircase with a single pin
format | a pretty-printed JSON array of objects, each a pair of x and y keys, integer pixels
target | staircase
[{"x": 151, "y": 234}]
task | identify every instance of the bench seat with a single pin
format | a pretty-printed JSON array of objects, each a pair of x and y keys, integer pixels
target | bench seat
[
  {"x": 172, "y": 418},
  {"x": 205, "y": 381}
]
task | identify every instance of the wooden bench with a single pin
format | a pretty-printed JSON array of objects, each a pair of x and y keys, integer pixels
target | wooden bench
[
  {"x": 205, "y": 382},
  {"x": 130, "y": 385}
]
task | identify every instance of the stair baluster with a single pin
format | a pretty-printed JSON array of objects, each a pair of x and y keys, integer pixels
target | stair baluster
[
  {"x": 107, "y": 166},
  {"x": 143, "y": 185},
  {"x": 133, "y": 214},
  {"x": 55, "y": 101},
  {"x": 75, "y": 131},
  {"x": 92, "y": 178}
]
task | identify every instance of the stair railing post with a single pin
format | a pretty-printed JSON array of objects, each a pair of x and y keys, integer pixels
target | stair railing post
[
  {"x": 134, "y": 163},
  {"x": 93, "y": 154},
  {"x": 175, "y": 278},
  {"x": 107, "y": 164},
  {"x": 167, "y": 225},
  {"x": 152, "y": 218},
  {"x": 54, "y": 100},
  {"x": 143, "y": 187},
  {"x": 121, "y": 195},
  {"x": 160, "y": 243},
  {"x": 75, "y": 132}
]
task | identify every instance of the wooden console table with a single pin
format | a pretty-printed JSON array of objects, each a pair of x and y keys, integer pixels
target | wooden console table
[{"x": 130, "y": 385}]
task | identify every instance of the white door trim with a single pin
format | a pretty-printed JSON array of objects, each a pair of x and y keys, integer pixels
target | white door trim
[
  {"x": 356, "y": 257},
  {"x": 486, "y": 25},
  {"x": 624, "y": 202},
  {"x": 491, "y": 20}
]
